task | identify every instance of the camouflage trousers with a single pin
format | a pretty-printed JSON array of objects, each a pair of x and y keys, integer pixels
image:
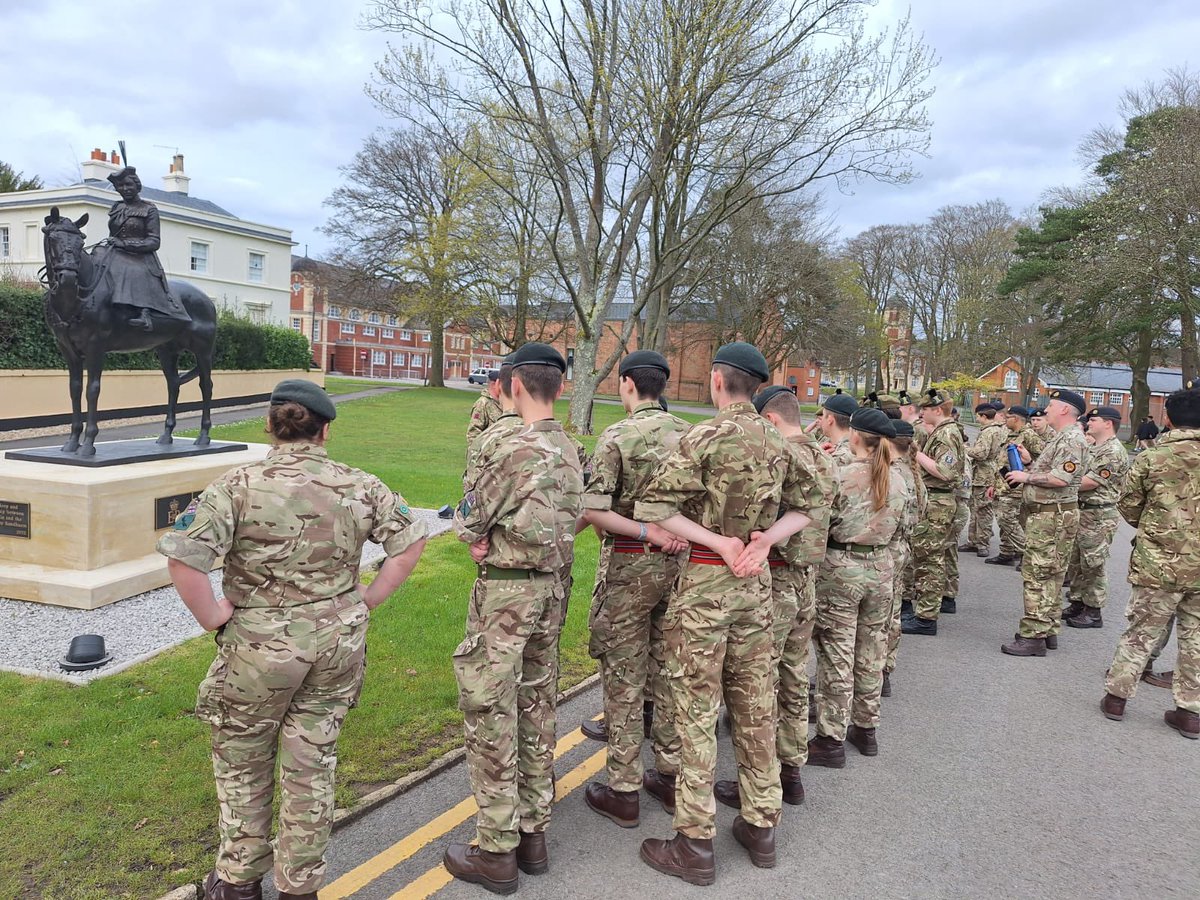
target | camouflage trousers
[
  {"x": 1088, "y": 569},
  {"x": 1149, "y": 613},
  {"x": 628, "y": 604},
  {"x": 1049, "y": 536},
  {"x": 719, "y": 642},
  {"x": 795, "y": 595},
  {"x": 900, "y": 566},
  {"x": 854, "y": 607},
  {"x": 278, "y": 691},
  {"x": 983, "y": 515},
  {"x": 930, "y": 538},
  {"x": 507, "y": 672},
  {"x": 962, "y": 509},
  {"x": 1012, "y": 528}
]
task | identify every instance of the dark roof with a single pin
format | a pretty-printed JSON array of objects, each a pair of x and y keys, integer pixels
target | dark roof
[
  {"x": 305, "y": 264},
  {"x": 688, "y": 312},
  {"x": 157, "y": 196},
  {"x": 1116, "y": 377}
]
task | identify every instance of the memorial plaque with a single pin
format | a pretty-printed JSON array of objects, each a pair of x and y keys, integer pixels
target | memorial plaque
[
  {"x": 14, "y": 519},
  {"x": 168, "y": 509}
]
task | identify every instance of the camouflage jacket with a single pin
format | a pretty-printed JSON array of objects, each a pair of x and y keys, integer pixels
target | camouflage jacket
[
  {"x": 506, "y": 424},
  {"x": 291, "y": 527},
  {"x": 855, "y": 519},
  {"x": 914, "y": 510},
  {"x": 526, "y": 499},
  {"x": 1065, "y": 457},
  {"x": 628, "y": 455},
  {"x": 1108, "y": 464},
  {"x": 819, "y": 489},
  {"x": 841, "y": 452},
  {"x": 1161, "y": 499},
  {"x": 987, "y": 453},
  {"x": 484, "y": 414},
  {"x": 1031, "y": 441},
  {"x": 945, "y": 447},
  {"x": 920, "y": 434},
  {"x": 731, "y": 474}
]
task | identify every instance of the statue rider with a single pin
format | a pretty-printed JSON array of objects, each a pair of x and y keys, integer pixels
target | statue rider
[{"x": 132, "y": 275}]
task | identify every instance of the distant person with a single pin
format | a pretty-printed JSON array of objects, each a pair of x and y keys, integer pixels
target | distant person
[
  {"x": 291, "y": 634},
  {"x": 1146, "y": 433},
  {"x": 485, "y": 411}
]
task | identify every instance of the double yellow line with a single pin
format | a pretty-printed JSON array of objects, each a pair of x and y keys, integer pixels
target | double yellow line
[{"x": 437, "y": 877}]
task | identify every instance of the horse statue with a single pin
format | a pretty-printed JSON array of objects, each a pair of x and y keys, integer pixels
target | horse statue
[{"x": 86, "y": 330}]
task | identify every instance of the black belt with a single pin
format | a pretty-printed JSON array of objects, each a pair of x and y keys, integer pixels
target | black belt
[
  {"x": 1098, "y": 505},
  {"x": 934, "y": 490},
  {"x": 853, "y": 548}
]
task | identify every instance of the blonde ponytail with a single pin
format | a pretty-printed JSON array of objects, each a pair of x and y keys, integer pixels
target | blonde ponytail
[{"x": 881, "y": 469}]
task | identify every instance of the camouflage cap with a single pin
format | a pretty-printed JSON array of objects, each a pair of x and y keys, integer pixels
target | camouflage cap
[
  {"x": 932, "y": 398},
  {"x": 644, "y": 359},
  {"x": 872, "y": 421},
  {"x": 745, "y": 357},
  {"x": 906, "y": 400},
  {"x": 842, "y": 404},
  {"x": 903, "y": 429},
  {"x": 312, "y": 397},
  {"x": 885, "y": 401},
  {"x": 538, "y": 354},
  {"x": 1105, "y": 412},
  {"x": 1071, "y": 399},
  {"x": 763, "y": 397}
]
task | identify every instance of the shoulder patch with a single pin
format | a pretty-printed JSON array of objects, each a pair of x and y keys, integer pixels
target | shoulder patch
[
  {"x": 185, "y": 519},
  {"x": 1068, "y": 467},
  {"x": 404, "y": 510},
  {"x": 949, "y": 459},
  {"x": 1105, "y": 473}
]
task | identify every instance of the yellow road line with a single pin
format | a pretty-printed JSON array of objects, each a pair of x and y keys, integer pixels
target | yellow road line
[
  {"x": 437, "y": 878},
  {"x": 362, "y": 875}
]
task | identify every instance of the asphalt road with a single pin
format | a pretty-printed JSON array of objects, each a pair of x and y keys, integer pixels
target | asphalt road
[{"x": 997, "y": 777}]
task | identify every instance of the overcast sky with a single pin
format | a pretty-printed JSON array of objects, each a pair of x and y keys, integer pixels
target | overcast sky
[{"x": 266, "y": 100}]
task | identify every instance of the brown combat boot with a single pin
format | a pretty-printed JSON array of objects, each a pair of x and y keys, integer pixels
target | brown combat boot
[
  {"x": 596, "y": 729},
  {"x": 1074, "y": 608},
  {"x": 967, "y": 548},
  {"x": 1162, "y": 679},
  {"x": 793, "y": 789},
  {"x": 728, "y": 794},
  {"x": 495, "y": 872},
  {"x": 217, "y": 889},
  {"x": 1051, "y": 641},
  {"x": 863, "y": 739},
  {"x": 1023, "y": 646},
  {"x": 1184, "y": 721},
  {"x": 620, "y": 806},
  {"x": 758, "y": 841},
  {"x": 827, "y": 752},
  {"x": 661, "y": 787},
  {"x": 1113, "y": 707},
  {"x": 1085, "y": 618},
  {"x": 688, "y": 858},
  {"x": 532, "y": 858}
]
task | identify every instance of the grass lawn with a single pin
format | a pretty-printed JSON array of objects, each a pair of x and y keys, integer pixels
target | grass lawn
[
  {"x": 334, "y": 385},
  {"x": 106, "y": 790}
]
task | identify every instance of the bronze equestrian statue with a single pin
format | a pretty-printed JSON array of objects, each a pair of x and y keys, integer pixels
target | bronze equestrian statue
[{"x": 118, "y": 300}]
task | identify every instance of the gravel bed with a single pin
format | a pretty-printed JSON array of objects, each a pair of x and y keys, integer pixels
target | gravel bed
[{"x": 36, "y": 636}]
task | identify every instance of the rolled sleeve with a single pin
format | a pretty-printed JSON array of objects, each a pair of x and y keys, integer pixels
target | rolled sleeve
[
  {"x": 485, "y": 501},
  {"x": 395, "y": 528},
  {"x": 204, "y": 531},
  {"x": 605, "y": 478}
]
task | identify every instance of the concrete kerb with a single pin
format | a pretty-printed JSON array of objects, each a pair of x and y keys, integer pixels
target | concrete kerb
[{"x": 375, "y": 799}]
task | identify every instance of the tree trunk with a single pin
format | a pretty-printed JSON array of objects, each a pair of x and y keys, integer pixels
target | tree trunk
[
  {"x": 437, "y": 354},
  {"x": 1140, "y": 365},
  {"x": 1189, "y": 351},
  {"x": 583, "y": 390}
]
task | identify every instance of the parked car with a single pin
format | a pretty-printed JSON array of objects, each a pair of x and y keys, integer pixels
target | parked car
[{"x": 480, "y": 376}]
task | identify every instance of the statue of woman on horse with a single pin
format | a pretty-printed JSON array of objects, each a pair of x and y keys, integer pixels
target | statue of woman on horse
[{"x": 130, "y": 274}]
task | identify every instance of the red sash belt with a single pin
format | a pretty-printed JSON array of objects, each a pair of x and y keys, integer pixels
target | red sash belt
[
  {"x": 633, "y": 545},
  {"x": 776, "y": 562},
  {"x": 705, "y": 556}
]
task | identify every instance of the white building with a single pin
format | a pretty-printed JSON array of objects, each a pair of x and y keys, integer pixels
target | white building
[{"x": 243, "y": 266}]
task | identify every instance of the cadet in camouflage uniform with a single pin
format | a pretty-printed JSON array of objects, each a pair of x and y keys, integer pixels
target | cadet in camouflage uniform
[
  {"x": 633, "y": 587},
  {"x": 942, "y": 465},
  {"x": 1161, "y": 500},
  {"x": 904, "y": 467},
  {"x": 854, "y": 594},
  {"x": 722, "y": 488},
  {"x": 1009, "y": 500},
  {"x": 1108, "y": 463},
  {"x": 962, "y": 513},
  {"x": 504, "y": 425},
  {"x": 911, "y": 413},
  {"x": 484, "y": 413},
  {"x": 986, "y": 456},
  {"x": 794, "y": 595},
  {"x": 291, "y": 634},
  {"x": 1051, "y": 523},
  {"x": 520, "y": 518},
  {"x": 834, "y": 421}
]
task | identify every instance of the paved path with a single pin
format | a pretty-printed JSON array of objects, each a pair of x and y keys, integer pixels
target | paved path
[
  {"x": 184, "y": 421},
  {"x": 997, "y": 777}
]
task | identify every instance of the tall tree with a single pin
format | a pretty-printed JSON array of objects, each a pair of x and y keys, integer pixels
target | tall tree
[{"x": 12, "y": 180}]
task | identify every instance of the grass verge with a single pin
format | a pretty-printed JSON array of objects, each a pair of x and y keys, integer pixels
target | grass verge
[{"x": 106, "y": 790}]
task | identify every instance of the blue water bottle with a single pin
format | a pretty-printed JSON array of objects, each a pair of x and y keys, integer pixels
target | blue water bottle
[{"x": 1014, "y": 459}]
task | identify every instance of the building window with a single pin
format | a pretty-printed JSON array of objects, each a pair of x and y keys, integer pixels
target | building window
[
  {"x": 199, "y": 260},
  {"x": 1012, "y": 381},
  {"x": 335, "y": 312},
  {"x": 810, "y": 391},
  {"x": 373, "y": 318},
  {"x": 1116, "y": 398},
  {"x": 257, "y": 314},
  {"x": 397, "y": 359},
  {"x": 258, "y": 264},
  {"x": 391, "y": 320},
  {"x": 316, "y": 331},
  {"x": 347, "y": 328},
  {"x": 355, "y": 315},
  {"x": 1036, "y": 396},
  {"x": 297, "y": 325},
  {"x": 1096, "y": 397},
  {"x": 812, "y": 373},
  {"x": 5, "y": 247},
  {"x": 425, "y": 336},
  {"x": 378, "y": 358},
  {"x": 388, "y": 333},
  {"x": 368, "y": 331},
  {"x": 405, "y": 335}
]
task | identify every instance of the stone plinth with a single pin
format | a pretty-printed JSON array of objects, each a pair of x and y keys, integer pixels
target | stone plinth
[{"x": 84, "y": 537}]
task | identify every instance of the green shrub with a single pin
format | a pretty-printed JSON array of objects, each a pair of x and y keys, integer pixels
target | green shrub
[{"x": 26, "y": 342}]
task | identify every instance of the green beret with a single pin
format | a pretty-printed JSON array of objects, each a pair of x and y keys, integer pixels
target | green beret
[
  {"x": 536, "y": 354},
  {"x": 932, "y": 398},
  {"x": 763, "y": 397},
  {"x": 644, "y": 359},
  {"x": 840, "y": 403},
  {"x": 886, "y": 401},
  {"x": 903, "y": 429},
  {"x": 746, "y": 357},
  {"x": 872, "y": 421},
  {"x": 307, "y": 394},
  {"x": 1071, "y": 399}
]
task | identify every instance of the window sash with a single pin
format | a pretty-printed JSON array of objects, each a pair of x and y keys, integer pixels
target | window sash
[
  {"x": 199, "y": 258},
  {"x": 257, "y": 267}
]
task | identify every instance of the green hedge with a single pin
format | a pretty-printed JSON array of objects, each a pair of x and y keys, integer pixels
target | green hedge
[{"x": 26, "y": 342}]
